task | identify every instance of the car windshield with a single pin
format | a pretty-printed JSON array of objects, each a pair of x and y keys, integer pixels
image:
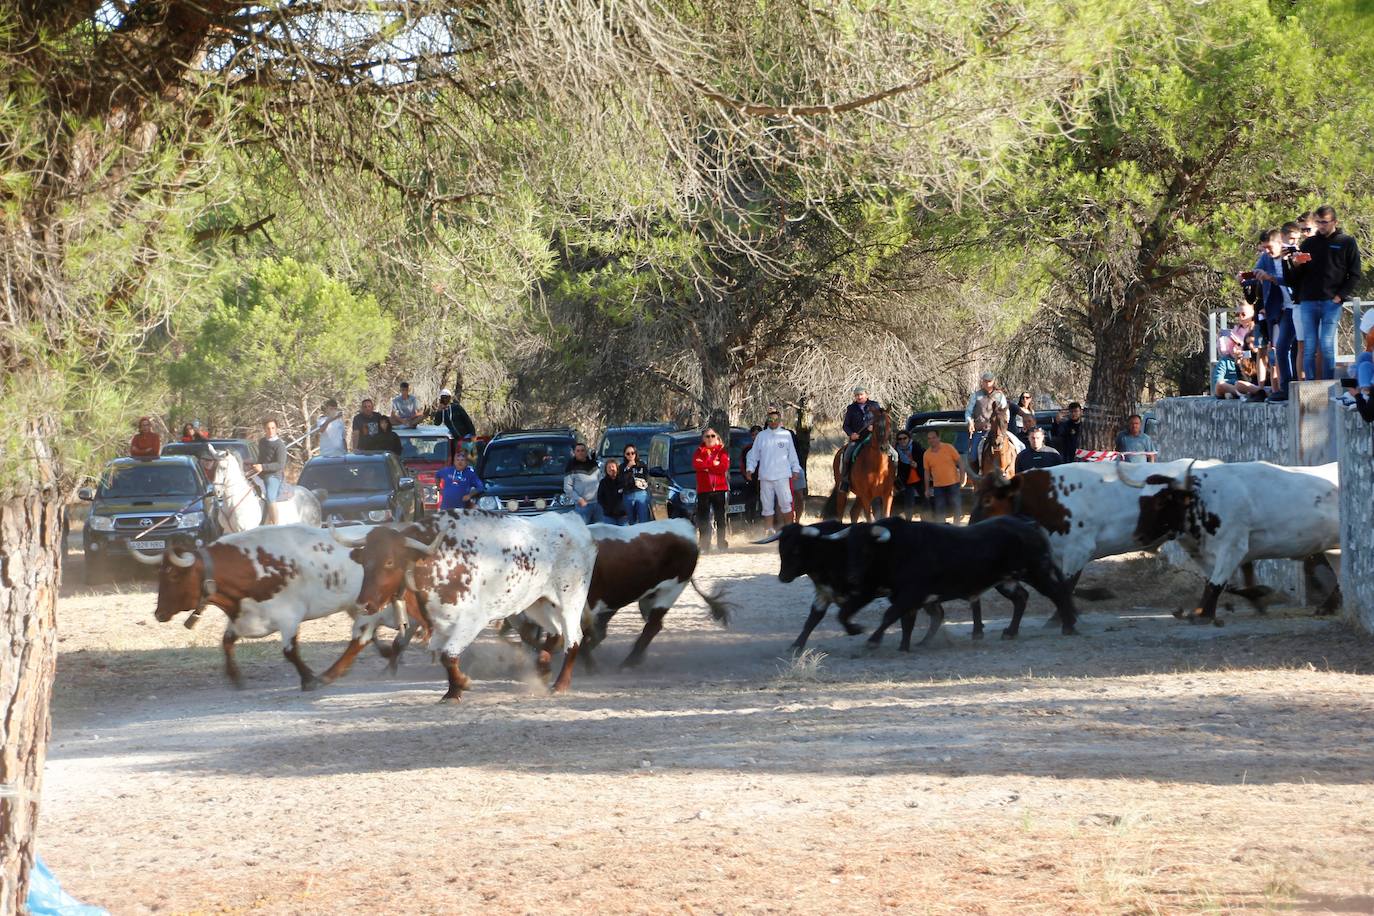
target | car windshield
[
  {"x": 525, "y": 459},
  {"x": 149, "y": 480},
  {"x": 346, "y": 478},
  {"x": 202, "y": 450},
  {"x": 615, "y": 442},
  {"x": 425, "y": 448}
]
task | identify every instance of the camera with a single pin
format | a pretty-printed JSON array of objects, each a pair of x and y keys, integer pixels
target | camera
[{"x": 1289, "y": 249}]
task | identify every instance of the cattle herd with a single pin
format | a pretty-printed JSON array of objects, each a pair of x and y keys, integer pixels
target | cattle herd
[{"x": 558, "y": 582}]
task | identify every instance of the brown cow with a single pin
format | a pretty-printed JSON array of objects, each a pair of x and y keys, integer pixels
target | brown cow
[{"x": 651, "y": 563}]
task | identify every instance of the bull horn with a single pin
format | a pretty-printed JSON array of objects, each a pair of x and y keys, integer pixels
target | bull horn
[
  {"x": 1188, "y": 476},
  {"x": 838, "y": 535},
  {"x": 344, "y": 539},
  {"x": 422, "y": 546},
  {"x": 146, "y": 559},
  {"x": 1128, "y": 481},
  {"x": 880, "y": 534},
  {"x": 176, "y": 559},
  {"x": 770, "y": 539},
  {"x": 810, "y": 532},
  {"x": 410, "y": 578}
]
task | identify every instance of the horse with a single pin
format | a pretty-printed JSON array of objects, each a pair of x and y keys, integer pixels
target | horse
[
  {"x": 873, "y": 475},
  {"x": 997, "y": 454},
  {"x": 241, "y": 508}
]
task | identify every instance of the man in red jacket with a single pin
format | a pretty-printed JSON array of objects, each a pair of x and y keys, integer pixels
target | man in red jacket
[
  {"x": 712, "y": 464},
  {"x": 147, "y": 444}
]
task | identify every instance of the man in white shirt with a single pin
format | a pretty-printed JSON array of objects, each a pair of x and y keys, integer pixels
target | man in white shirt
[
  {"x": 774, "y": 458},
  {"x": 331, "y": 431}
]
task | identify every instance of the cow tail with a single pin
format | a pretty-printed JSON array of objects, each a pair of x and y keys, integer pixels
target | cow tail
[
  {"x": 715, "y": 600},
  {"x": 831, "y": 508}
]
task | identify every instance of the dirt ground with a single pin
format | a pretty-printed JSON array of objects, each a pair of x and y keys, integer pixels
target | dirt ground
[{"x": 1145, "y": 766}]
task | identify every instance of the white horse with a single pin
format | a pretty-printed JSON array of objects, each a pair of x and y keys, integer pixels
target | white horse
[{"x": 240, "y": 506}]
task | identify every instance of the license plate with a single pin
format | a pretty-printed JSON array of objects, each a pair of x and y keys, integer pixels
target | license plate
[
  {"x": 147, "y": 545},
  {"x": 735, "y": 510}
]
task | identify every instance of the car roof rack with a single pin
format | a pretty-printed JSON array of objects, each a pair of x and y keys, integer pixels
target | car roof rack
[{"x": 539, "y": 430}]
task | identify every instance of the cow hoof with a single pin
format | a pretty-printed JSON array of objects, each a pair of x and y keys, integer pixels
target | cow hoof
[
  {"x": 393, "y": 667},
  {"x": 1070, "y": 631},
  {"x": 1218, "y": 622},
  {"x": 1009, "y": 634},
  {"x": 872, "y": 645},
  {"x": 447, "y": 700},
  {"x": 1178, "y": 614},
  {"x": 977, "y": 634},
  {"x": 853, "y": 629},
  {"x": 310, "y": 684}
]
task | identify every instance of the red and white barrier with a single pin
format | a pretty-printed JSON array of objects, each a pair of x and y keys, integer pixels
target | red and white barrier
[{"x": 1085, "y": 454}]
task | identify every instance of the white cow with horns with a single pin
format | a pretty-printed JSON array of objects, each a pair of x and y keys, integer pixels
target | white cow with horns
[
  {"x": 470, "y": 568},
  {"x": 1225, "y": 517}
]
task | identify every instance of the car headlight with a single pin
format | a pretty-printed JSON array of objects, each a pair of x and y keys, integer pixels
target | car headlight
[
  {"x": 687, "y": 497},
  {"x": 190, "y": 519},
  {"x": 378, "y": 515},
  {"x": 101, "y": 523},
  {"x": 490, "y": 503}
]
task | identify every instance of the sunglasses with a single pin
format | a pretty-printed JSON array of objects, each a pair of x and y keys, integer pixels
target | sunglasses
[{"x": 711, "y": 436}]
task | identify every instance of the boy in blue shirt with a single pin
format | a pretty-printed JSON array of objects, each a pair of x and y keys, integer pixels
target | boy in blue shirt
[{"x": 459, "y": 484}]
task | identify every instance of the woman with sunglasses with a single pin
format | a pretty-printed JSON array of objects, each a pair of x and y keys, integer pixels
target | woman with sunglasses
[
  {"x": 635, "y": 478},
  {"x": 1022, "y": 416},
  {"x": 712, "y": 464}
]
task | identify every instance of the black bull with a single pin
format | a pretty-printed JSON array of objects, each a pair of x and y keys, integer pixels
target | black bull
[{"x": 920, "y": 562}]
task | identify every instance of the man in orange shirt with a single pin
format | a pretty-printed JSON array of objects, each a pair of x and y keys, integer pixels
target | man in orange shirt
[
  {"x": 146, "y": 444},
  {"x": 944, "y": 476}
]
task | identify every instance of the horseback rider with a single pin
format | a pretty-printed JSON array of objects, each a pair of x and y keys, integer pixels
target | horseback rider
[
  {"x": 858, "y": 425},
  {"x": 271, "y": 464},
  {"x": 984, "y": 401}
]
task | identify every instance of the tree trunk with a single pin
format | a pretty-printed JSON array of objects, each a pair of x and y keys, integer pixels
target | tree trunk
[
  {"x": 30, "y": 572},
  {"x": 1114, "y": 386},
  {"x": 716, "y": 375}
]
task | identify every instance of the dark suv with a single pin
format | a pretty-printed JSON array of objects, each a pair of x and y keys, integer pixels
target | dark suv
[
  {"x": 369, "y": 487},
  {"x": 522, "y": 472},
  {"x": 140, "y": 504},
  {"x": 673, "y": 480},
  {"x": 200, "y": 448},
  {"x": 614, "y": 439}
]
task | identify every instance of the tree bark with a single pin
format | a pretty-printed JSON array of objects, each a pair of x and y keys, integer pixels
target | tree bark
[
  {"x": 716, "y": 376},
  {"x": 1119, "y": 330},
  {"x": 30, "y": 572}
]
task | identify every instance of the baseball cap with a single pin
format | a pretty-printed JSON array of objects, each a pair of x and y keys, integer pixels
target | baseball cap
[{"x": 445, "y": 393}]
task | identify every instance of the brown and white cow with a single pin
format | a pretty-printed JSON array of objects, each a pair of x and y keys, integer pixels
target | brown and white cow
[
  {"x": 470, "y": 568},
  {"x": 266, "y": 580},
  {"x": 650, "y": 563}
]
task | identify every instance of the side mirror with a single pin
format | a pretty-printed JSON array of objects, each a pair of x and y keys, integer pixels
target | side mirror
[
  {"x": 85, "y": 494},
  {"x": 657, "y": 472},
  {"x": 406, "y": 483}
]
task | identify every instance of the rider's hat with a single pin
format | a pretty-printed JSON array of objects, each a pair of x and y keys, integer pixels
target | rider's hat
[{"x": 445, "y": 393}]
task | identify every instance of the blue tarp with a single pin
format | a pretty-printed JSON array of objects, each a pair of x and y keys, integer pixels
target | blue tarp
[{"x": 47, "y": 898}]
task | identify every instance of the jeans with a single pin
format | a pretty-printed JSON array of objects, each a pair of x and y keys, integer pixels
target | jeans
[
  {"x": 1364, "y": 370},
  {"x": 1286, "y": 350},
  {"x": 709, "y": 504},
  {"x": 636, "y": 506},
  {"x": 591, "y": 513},
  {"x": 945, "y": 501},
  {"x": 975, "y": 445},
  {"x": 271, "y": 487},
  {"x": 909, "y": 495},
  {"x": 1319, "y": 319}
]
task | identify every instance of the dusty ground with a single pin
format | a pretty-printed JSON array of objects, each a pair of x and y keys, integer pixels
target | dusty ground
[{"x": 1145, "y": 766}]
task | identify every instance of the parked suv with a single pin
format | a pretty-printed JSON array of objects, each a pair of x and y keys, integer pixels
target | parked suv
[
  {"x": 522, "y": 472},
  {"x": 612, "y": 443},
  {"x": 673, "y": 480},
  {"x": 247, "y": 451},
  {"x": 424, "y": 451},
  {"x": 369, "y": 487},
  {"x": 140, "y": 504}
]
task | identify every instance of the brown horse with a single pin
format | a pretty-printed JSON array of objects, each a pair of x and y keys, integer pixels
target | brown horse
[
  {"x": 997, "y": 455},
  {"x": 872, "y": 476}
]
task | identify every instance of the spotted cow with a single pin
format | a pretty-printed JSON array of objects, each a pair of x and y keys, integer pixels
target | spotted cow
[
  {"x": 1228, "y": 516},
  {"x": 266, "y": 580},
  {"x": 469, "y": 568},
  {"x": 650, "y": 564}
]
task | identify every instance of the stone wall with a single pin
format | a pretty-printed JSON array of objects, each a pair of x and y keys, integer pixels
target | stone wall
[
  {"x": 1204, "y": 427},
  {"x": 1355, "y": 444}
]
